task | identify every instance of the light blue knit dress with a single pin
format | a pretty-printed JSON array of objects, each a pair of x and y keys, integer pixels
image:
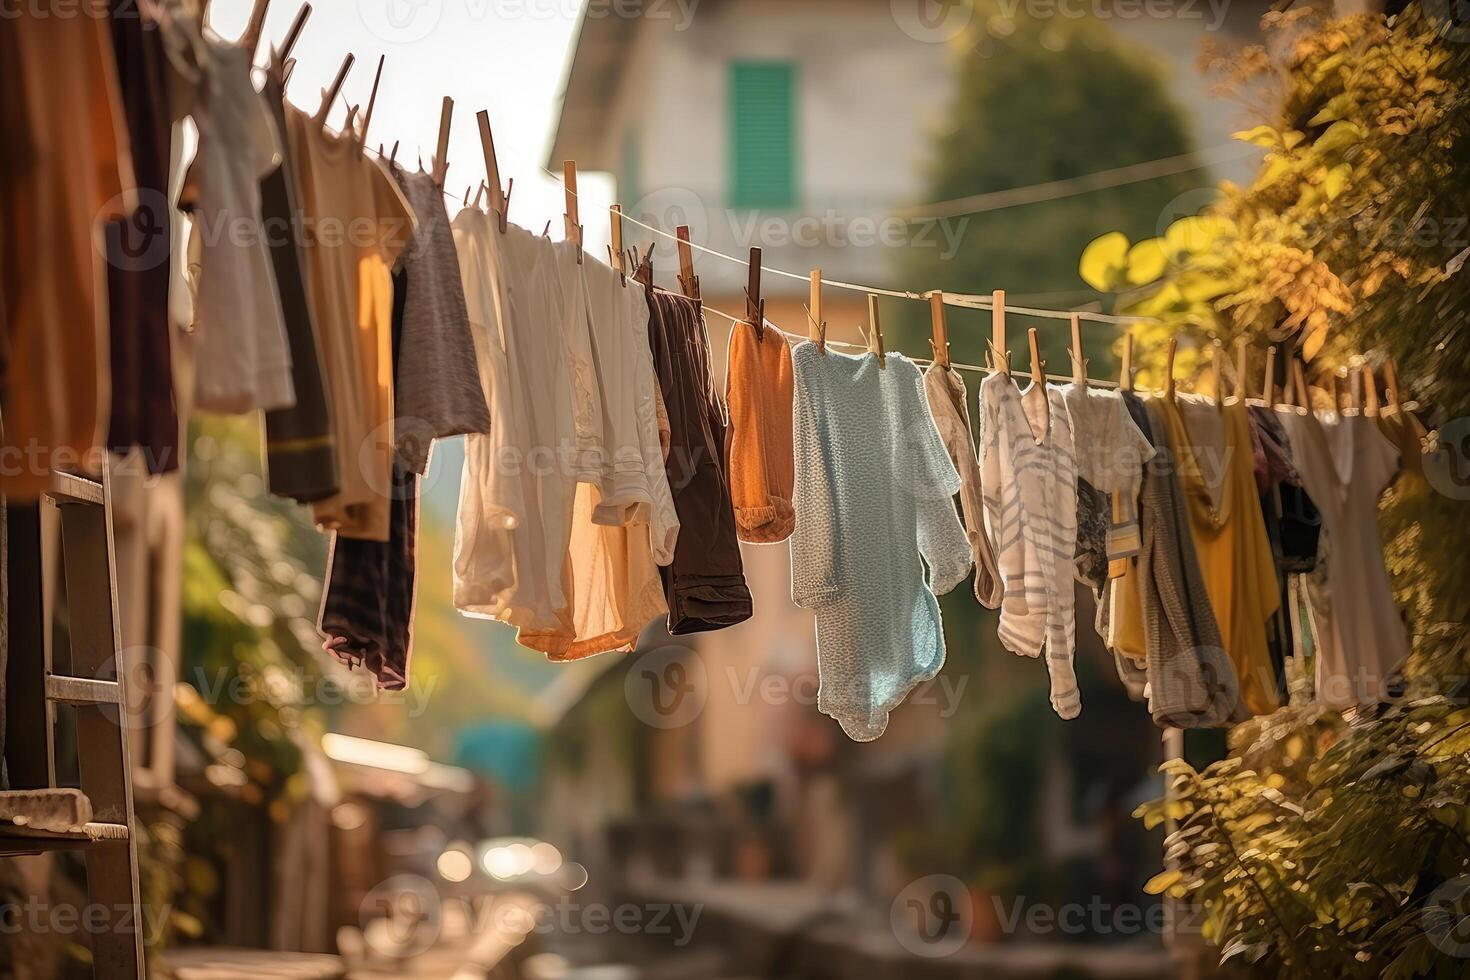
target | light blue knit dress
[{"x": 877, "y": 534}]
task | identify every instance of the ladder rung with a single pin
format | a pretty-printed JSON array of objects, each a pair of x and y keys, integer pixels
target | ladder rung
[
  {"x": 75, "y": 489},
  {"x": 81, "y": 690}
]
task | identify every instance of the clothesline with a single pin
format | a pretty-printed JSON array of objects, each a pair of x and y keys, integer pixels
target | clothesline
[
  {"x": 963, "y": 300},
  {"x": 922, "y": 361}
]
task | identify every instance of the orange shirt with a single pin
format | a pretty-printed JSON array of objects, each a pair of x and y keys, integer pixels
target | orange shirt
[{"x": 66, "y": 167}]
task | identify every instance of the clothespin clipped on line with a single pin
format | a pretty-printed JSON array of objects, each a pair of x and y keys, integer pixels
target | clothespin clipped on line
[
  {"x": 255, "y": 26},
  {"x": 1370, "y": 390},
  {"x": 439, "y": 166},
  {"x": 479, "y": 194},
  {"x": 499, "y": 200},
  {"x": 1391, "y": 384},
  {"x": 329, "y": 96},
  {"x": 1169, "y": 368},
  {"x": 1000, "y": 358},
  {"x": 1268, "y": 381},
  {"x": 280, "y": 56},
  {"x": 816, "y": 327},
  {"x": 875, "y": 332},
  {"x": 755, "y": 306},
  {"x": 1242, "y": 369},
  {"x": 1079, "y": 363},
  {"x": 615, "y": 249},
  {"x": 1038, "y": 377},
  {"x": 573, "y": 214},
  {"x": 367, "y": 117},
  {"x": 938, "y": 329},
  {"x": 688, "y": 281},
  {"x": 1217, "y": 366}
]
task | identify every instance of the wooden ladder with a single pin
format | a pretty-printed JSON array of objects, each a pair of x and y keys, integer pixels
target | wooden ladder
[{"x": 35, "y": 814}]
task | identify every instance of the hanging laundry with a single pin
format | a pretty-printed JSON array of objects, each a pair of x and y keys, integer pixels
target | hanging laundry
[
  {"x": 1111, "y": 453},
  {"x": 758, "y": 443},
  {"x": 705, "y": 583},
  {"x": 1177, "y": 641},
  {"x": 947, "y": 398},
  {"x": 877, "y": 536},
  {"x": 66, "y": 166},
  {"x": 300, "y": 444},
  {"x": 355, "y": 223},
  {"x": 242, "y": 359},
  {"x": 371, "y": 589},
  {"x": 143, "y": 410},
  {"x": 1029, "y": 473},
  {"x": 1293, "y": 525},
  {"x": 520, "y": 480},
  {"x": 1217, "y": 474},
  {"x": 1345, "y": 464},
  {"x": 625, "y": 526},
  {"x": 437, "y": 394},
  {"x": 1403, "y": 428}
]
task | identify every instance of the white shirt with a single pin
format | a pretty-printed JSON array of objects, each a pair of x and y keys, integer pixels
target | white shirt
[
  {"x": 1345, "y": 464},
  {"x": 1028, "y": 478}
]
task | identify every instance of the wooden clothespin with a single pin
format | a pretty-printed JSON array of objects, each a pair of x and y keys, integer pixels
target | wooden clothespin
[
  {"x": 1000, "y": 358},
  {"x": 755, "y": 306},
  {"x": 467, "y": 191},
  {"x": 1336, "y": 393},
  {"x": 439, "y": 166},
  {"x": 1038, "y": 377},
  {"x": 499, "y": 200},
  {"x": 330, "y": 95},
  {"x": 688, "y": 281},
  {"x": 1217, "y": 362},
  {"x": 816, "y": 327},
  {"x": 367, "y": 117},
  {"x": 1355, "y": 393},
  {"x": 875, "y": 331},
  {"x": 1169, "y": 368},
  {"x": 255, "y": 26},
  {"x": 1391, "y": 384},
  {"x": 1268, "y": 383},
  {"x": 1125, "y": 376},
  {"x": 615, "y": 217},
  {"x": 1079, "y": 363},
  {"x": 1303, "y": 393},
  {"x": 293, "y": 34},
  {"x": 573, "y": 213},
  {"x": 1242, "y": 364},
  {"x": 938, "y": 329},
  {"x": 479, "y": 194},
  {"x": 393, "y": 157},
  {"x": 1370, "y": 390}
]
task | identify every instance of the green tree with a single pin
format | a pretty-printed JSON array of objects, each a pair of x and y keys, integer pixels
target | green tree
[{"x": 1323, "y": 848}]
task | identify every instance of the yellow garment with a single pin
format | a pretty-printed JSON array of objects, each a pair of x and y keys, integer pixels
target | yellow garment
[
  {"x": 65, "y": 166},
  {"x": 355, "y": 222},
  {"x": 1234, "y": 552}
]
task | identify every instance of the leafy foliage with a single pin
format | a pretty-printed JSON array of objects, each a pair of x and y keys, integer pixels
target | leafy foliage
[{"x": 1322, "y": 847}]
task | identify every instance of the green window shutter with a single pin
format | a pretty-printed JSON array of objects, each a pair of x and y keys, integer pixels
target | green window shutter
[
  {"x": 762, "y": 134},
  {"x": 630, "y": 169}
]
